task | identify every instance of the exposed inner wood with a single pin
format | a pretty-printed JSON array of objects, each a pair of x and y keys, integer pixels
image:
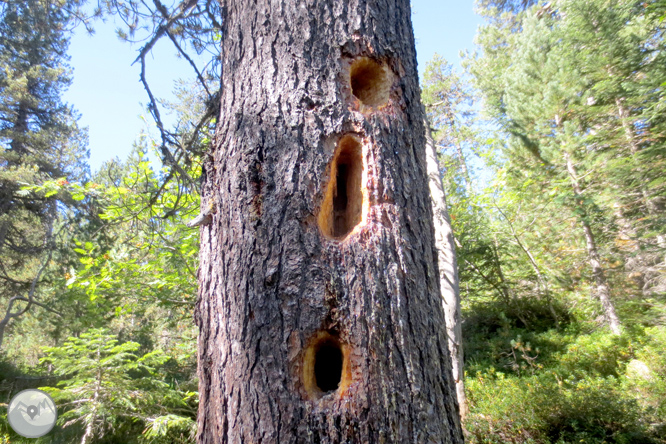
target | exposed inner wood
[
  {"x": 370, "y": 82},
  {"x": 326, "y": 367},
  {"x": 345, "y": 198}
]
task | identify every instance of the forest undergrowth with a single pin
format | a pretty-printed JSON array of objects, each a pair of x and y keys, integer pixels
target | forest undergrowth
[{"x": 534, "y": 378}]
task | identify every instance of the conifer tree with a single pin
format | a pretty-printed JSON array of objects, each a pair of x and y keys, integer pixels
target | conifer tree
[
  {"x": 448, "y": 101},
  {"x": 564, "y": 85},
  {"x": 39, "y": 141}
]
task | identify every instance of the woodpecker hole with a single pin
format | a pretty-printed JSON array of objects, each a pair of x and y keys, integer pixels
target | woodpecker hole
[
  {"x": 346, "y": 197},
  {"x": 370, "y": 82},
  {"x": 326, "y": 368}
]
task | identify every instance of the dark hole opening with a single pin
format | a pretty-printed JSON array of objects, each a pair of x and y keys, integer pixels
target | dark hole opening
[
  {"x": 342, "y": 208},
  {"x": 328, "y": 366},
  {"x": 340, "y": 201}
]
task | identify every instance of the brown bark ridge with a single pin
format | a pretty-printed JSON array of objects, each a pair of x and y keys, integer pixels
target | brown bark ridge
[
  {"x": 319, "y": 311},
  {"x": 448, "y": 269}
]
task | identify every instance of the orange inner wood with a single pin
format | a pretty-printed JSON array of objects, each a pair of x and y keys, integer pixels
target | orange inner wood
[
  {"x": 345, "y": 201},
  {"x": 321, "y": 344},
  {"x": 370, "y": 82}
]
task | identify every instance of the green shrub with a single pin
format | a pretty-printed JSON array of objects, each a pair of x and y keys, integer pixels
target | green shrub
[
  {"x": 597, "y": 354},
  {"x": 591, "y": 410},
  {"x": 544, "y": 409},
  {"x": 645, "y": 378},
  {"x": 501, "y": 410},
  {"x": 594, "y": 388}
]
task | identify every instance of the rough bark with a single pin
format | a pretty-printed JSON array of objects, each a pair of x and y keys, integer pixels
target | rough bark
[
  {"x": 448, "y": 270},
  {"x": 277, "y": 286},
  {"x": 593, "y": 258}
]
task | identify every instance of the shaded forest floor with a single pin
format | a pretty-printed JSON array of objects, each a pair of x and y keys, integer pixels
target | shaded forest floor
[{"x": 533, "y": 377}]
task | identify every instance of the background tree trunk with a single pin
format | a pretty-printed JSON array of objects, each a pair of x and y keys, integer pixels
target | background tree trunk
[
  {"x": 602, "y": 289},
  {"x": 309, "y": 332},
  {"x": 448, "y": 269}
]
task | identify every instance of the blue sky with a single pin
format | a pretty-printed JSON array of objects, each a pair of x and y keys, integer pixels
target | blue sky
[{"x": 107, "y": 93}]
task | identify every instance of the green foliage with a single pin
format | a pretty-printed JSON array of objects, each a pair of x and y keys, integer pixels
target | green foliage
[
  {"x": 39, "y": 141},
  {"x": 111, "y": 252},
  {"x": 170, "y": 429},
  {"x": 105, "y": 383},
  {"x": 596, "y": 354},
  {"x": 568, "y": 84},
  {"x": 578, "y": 83},
  {"x": 559, "y": 80},
  {"x": 565, "y": 387},
  {"x": 134, "y": 276},
  {"x": 645, "y": 376},
  {"x": 541, "y": 409}
]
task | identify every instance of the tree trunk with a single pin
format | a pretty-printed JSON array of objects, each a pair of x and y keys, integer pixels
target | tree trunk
[
  {"x": 89, "y": 434},
  {"x": 602, "y": 288},
  {"x": 319, "y": 311},
  {"x": 448, "y": 269}
]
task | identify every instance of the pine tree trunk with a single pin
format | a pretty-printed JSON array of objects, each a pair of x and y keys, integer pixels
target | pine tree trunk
[
  {"x": 448, "y": 270},
  {"x": 319, "y": 311},
  {"x": 602, "y": 288}
]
